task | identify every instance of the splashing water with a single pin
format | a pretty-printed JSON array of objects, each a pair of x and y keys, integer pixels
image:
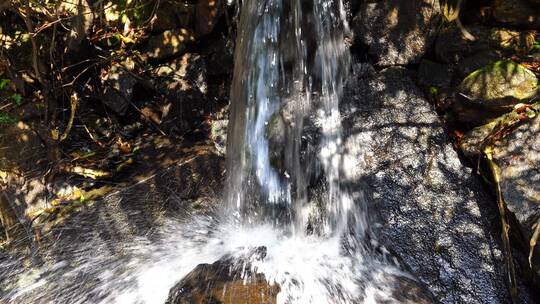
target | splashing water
[{"x": 291, "y": 63}]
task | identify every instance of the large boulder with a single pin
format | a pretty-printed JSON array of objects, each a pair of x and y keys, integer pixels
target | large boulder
[
  {"x": 518, "y": 157},
  {"x": 397, "y": 32},
  {"x": 433, "y": 213}
]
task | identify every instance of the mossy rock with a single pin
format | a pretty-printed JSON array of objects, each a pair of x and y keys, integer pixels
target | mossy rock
[{"x": 499, "y": 86}]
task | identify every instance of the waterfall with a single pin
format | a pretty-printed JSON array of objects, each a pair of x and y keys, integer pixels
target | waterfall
[
  {"x": 291, "y": 62},
  {"x": 285, "y": 190}
]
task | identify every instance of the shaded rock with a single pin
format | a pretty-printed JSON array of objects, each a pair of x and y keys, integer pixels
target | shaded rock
[
  {"x": 118, "y": 87},
  {"x": 219, "y": 55},
  {"x": 519, "y": 13},
  {"x": 169, "y": 43},
  {"x": 183, "y": 83},
  {"x": 20, "y": 147},
  {"x": 397, "y": 32},
  {"x": 434, "y": 214},
  {"x": 452, "y": 46},
  {"x": 499, "y": 86},
  {"x": 476, "y": 61},
  {"x": 434, "y": 74},
  {"x": 208, "y": 13},
  {"x": 171, "y": 15},
  {"x": 225, "y": 281}
]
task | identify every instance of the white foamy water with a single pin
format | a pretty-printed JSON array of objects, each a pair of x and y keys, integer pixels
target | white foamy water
[{"x": 308, "y": 269}]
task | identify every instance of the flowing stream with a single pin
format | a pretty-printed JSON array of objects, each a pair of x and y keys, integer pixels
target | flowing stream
[{"x": 284, "y": 189}]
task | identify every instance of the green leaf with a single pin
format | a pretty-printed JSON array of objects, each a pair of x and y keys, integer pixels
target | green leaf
[
  {"x": 6, "y": 119},
  {"x": 17, "y": 99},
  {"x": 4, "y": 83}
]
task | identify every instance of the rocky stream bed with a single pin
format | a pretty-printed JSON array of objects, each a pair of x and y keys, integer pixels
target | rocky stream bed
[{"x": 441, "y": 123}]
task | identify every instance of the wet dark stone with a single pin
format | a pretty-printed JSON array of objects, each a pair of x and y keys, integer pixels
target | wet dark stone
[{"x": 227, "y": 281}]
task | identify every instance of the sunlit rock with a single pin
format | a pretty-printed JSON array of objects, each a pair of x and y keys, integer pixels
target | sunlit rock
[{"x": 433, "y": 213}]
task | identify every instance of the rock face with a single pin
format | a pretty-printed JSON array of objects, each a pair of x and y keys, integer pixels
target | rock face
[
  {"x": 499, "y": 86},
  {"x": 397, "y": 32},
  {"x": 518, "y": 157},
  {"x": 433, "y": 213}
]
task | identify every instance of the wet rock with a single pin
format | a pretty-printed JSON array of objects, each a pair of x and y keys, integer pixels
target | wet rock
[
  {"x": 118, "y": 83},
  {"x": 519, "y": 13},
  {"x": 434, "y": 74},
  {"x": 225, "y": 281},
  {"x": 397, "y": 32},
  {"x": 499, "y": 86},
  {"x": 433, "y": 213},
  {"x": 20, "y": 147},
  {"x": 169, "y": 43},
  {"x": 208, "y": 13}
]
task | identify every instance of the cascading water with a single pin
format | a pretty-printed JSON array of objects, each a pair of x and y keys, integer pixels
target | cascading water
[{"x": 291, "y": 63}]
